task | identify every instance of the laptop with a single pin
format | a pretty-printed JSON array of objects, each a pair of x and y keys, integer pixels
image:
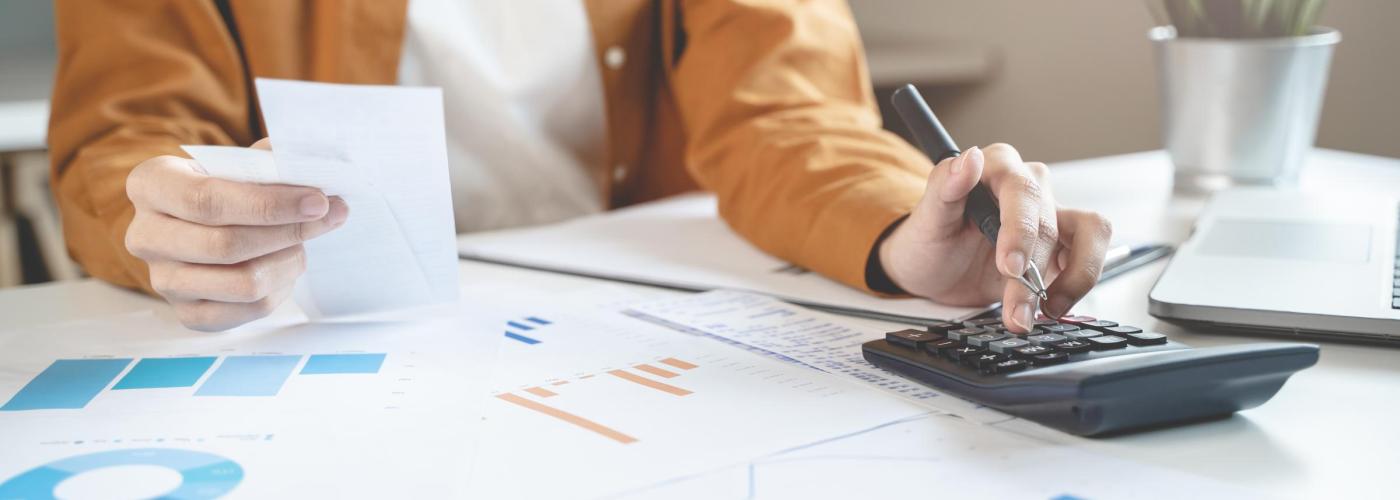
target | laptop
[{"x": 1290, "y": 263}]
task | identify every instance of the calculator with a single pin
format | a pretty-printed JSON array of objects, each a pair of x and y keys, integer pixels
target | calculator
[{"x": 1088, "y": 376}]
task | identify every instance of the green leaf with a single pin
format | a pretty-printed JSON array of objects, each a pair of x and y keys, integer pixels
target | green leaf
[{"x": 1238, "y": 18}]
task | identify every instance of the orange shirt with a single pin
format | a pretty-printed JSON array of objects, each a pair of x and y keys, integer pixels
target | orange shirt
[{"x": 766, "y": 103}]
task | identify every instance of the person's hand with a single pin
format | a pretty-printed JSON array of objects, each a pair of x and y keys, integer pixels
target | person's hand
[
  {"x": 222, "y": 252},
  {"x": 936, "y": 254}
]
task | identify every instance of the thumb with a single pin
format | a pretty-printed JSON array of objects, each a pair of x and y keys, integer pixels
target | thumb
[
  {"x": 940, "y": 212},
  {"x": 264, "y": 143}
]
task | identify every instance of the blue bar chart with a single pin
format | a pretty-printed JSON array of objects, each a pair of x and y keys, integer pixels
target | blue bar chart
[
  {"x": 334, "y": 364},
  {"x": 249, "y": 376},
  {"x": 517, "y": 329},
  {"x": 161, "y": 373},
  {"x": 69, "y": 384}
]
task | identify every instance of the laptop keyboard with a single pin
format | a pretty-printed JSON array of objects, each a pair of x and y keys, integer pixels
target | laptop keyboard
[{"x": 1395, "y": 292}]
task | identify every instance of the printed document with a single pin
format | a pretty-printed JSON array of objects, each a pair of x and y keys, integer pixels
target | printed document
[
  {"x": 135, "y": 406},
  {"x": 383, "y": 150}
]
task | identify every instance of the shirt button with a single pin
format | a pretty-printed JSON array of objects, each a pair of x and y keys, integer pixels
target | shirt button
[
  {"x": 614, "y": 57},
  {"x": 619, "y": 173}
]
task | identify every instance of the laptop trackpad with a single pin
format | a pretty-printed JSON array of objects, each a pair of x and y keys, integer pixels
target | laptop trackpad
[{"x": 1349, "y": 243}]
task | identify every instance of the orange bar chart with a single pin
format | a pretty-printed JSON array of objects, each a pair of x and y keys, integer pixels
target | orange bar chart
[
  {"x": 684, "y": 365},
  {"x": 569, "y": 418},
  {"x": 672, "y": 369},
  {"x": 656, "y": 371},
  {"x": 646, "y": 382}
]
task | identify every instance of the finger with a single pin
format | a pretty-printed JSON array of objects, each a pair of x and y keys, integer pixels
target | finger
[
  {"x": 940, "y": 211},
  {"x": 155, "y": 236},
  {"x": 264, "y": 143},
  {"x": 212, "y": 316},
  {"x": 245, "y": 282},
  {"x": 1047, "y": 239},
  {"x": 172, "y": 185},
  {"x": 1087, "y": 235},
  {"x": 1020, "y": 199},
  {"x": 1018, "y": 307}
]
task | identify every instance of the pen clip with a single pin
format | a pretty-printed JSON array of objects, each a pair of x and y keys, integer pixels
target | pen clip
[{"x": 1032, "y": 280}]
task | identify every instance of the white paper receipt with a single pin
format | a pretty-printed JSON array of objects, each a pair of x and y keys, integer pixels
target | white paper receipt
[{"x": 384, "y": 150}]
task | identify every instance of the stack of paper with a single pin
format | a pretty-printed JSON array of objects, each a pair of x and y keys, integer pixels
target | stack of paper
[{"x": 681, "y": 243}]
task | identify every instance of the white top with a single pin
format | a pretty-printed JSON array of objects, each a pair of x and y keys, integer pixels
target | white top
[{"x": 524, "y": 106}]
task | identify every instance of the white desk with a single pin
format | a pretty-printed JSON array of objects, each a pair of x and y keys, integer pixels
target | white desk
[{"x": 1330, "y": 433}]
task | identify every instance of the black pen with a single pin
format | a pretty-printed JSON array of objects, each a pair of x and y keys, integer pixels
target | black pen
[{"x": 933, "y": 139}]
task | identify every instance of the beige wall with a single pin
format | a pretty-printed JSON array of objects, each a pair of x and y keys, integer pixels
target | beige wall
[{"x": 1076, "y": 78}]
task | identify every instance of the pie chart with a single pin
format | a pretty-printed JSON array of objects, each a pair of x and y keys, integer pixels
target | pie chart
[{"x": 203, "y": 475}]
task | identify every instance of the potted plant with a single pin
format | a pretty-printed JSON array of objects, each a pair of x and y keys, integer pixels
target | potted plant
[{"x": 1242, "y": 83}]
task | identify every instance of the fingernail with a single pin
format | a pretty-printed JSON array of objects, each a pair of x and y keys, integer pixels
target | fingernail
[
  {"x": 1025, "y": 316},
  {"x": 1015, "y": 263},
  {"x": 313, "y": 205},
  {"x": 1057, "y": 306},
  {"x": 974, "y": 154},
  {"x": 958, "y": 164},
  {"x": 338, "y": 212}
]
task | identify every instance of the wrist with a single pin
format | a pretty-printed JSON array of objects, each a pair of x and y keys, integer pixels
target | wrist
[{"x": 878, "y": 277}]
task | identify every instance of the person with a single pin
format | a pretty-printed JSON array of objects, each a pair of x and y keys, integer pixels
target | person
[{"x": 554, "y": 109}]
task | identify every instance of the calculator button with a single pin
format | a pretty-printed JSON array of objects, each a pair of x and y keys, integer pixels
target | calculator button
[
  {"x": 982, "y": 339},
  {"x": 1073, "y": 346},
  {"x": 1050, "y": 358},
  {"x": 984, "y": 322},
  {"x": 1033, "y": 331},
  {"x": 1121, "y": 330},
  {"x": 1059, "y": 328},
  {"x": 912, "y": 339},
  {"x": 1008, "y": 366},
  {"x": 1098, "y": 324},
  {"x": 1082, "y": 334},
  {"x": 1076, "y": 319},
  {"x": 1106, "y": 342},
  {"x": 942, "y": 327},
  {"x": 1005, "y": 346},
  {"x": 1031, "y": 351},
  {"x": 962, "y": 334},
  {"x": 941, "y": 346},
  {"x": 985, "y": 360},
  {"x": 1146, "y": 338},
  {"x": 962, "y": 353},
  {"x": 1047, "y": 339}
]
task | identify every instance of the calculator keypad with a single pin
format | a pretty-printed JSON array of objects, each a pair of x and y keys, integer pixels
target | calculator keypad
[
  {"x": 1395, "y": 291},
  {"x": 987, "y": 347}
]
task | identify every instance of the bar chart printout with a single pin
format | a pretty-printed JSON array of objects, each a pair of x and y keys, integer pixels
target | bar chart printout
[
  {"x": 164, "y": 373},
  {"x": 69, "y": 384},
  {"x": 334, "y": 364},
  {"x": 249, "y": 376},
  {"x": 519, "y": 329},
  {"x": 590, "y": 425}
]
